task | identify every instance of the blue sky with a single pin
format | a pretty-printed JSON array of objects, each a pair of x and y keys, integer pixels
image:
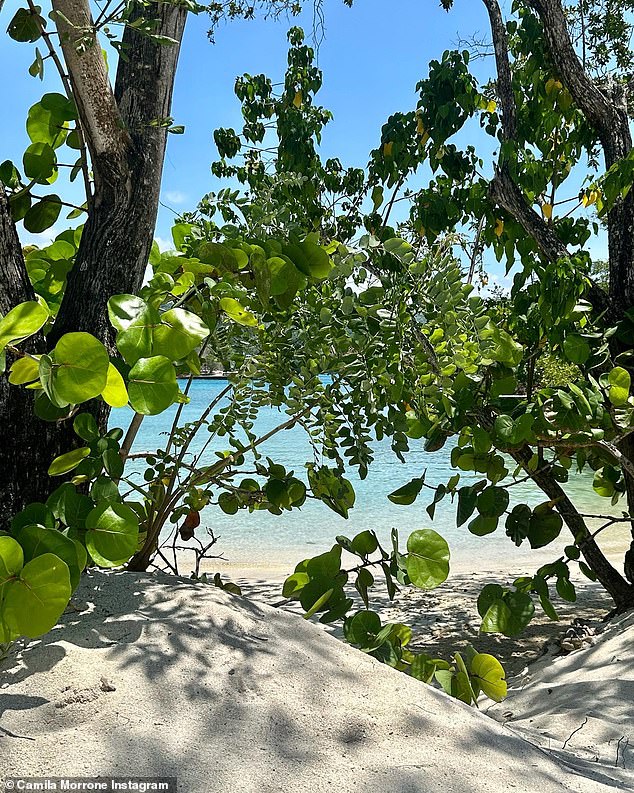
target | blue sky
[{"x": 372, "y": 56}]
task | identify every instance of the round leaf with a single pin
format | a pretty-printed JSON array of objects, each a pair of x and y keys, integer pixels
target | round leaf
[
  {"x": 25, "y": 26},
  {"x": 42, "y": 216},
  {"x": 179, "y": 333},
  {"x": 428, "y": 559},
  {"x": 40, "y": 161},
  {"x": 490, "y": 675},
  {"x": 21, "y": 322},
  {"x": 34, "y": 602},
  {"x": 152, "y": 385},
  {"x": 112, "y": 534},
  {"x": 36, "y": 540},
  {"x": 11, "y": 560},
  {"x": 80, "y": 367}
]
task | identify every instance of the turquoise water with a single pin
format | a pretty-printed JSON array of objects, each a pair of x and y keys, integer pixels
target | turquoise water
[{"x": 259, "y": 538}]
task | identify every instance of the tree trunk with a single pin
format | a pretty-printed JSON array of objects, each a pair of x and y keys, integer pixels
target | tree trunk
[{"x": 127, "y": 149}]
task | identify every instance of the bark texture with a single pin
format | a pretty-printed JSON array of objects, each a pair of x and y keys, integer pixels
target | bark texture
[{"x": 22, "y": 479}]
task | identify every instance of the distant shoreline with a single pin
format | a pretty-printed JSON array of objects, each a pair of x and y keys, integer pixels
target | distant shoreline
[{"x": 208, "y": 376}]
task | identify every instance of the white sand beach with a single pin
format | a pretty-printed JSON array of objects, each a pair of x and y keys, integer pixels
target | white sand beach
[{"x": 151, "y": 675}]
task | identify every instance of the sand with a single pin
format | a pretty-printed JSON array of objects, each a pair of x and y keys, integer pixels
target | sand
[{"x": 150, "y": 675}]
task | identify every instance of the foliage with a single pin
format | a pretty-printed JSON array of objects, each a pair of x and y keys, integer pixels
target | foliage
[{"x": 356, "y": 331}]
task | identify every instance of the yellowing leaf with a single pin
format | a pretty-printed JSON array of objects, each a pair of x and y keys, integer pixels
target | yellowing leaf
[
  {"x": 24, "y": 370},
  {"x": 297, "y": 100},
  {"x": 387, "y": 149},
  {"x": 499, "y": 227},
  {"x": 547, "y": 211},
  {"x": 420, "y": 127},
  {"x": 552, "y": 86},
  {"x": 115, "y": 394},
  {"x": 491, "y": 106},
  {"x": 590, "y": 198}
]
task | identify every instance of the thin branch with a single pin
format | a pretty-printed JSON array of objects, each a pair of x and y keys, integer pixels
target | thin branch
[{"x": 52, "y": 52}]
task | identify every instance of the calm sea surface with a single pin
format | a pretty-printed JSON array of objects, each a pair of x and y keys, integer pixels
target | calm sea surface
[{"x": 260, "y": 538}]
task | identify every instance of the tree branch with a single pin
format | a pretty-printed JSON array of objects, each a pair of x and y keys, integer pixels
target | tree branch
[
  {"x": 102, "y": 124},
  {"x": 503, "y": 190},
  {"x": 606, "y": 111}
]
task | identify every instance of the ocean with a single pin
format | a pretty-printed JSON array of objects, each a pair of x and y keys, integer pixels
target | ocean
[{"x": 261, "y": 539}]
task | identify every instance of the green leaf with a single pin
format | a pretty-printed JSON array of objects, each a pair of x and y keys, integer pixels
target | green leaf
[
  {"x": 319, "y": 603},
  {"x": 576, "y": 349},
  {"x": 21, "y": 322},
  {"x": 467, "y": 497},
  {"x": 112, "y": 534},
  {"x": 237, "y": 313},
  {"x": 364, "y": 544},
  {"x": 500, "y": 346},
  {"x": 518, "y": 523},
  {"x": 11, "y": 560},
  {"x": 69, "y": 506},
  {"x": 504, "y": 429},
  {"x": 152, "y": 385},
  {"x": 35, "y": 512},
  {"x": 361, "y": 629},
  {"x": 66, "y": 462},
  {"x": 24, "y": 370},
  {"x": 105, "y": 489},
  {"x": 544, "y": 527},
  {"x": 509, "y": 615},
  {"x": 60, "y": 106},
  {"x": 310, "y": 259},
  {"x": 566, "y": 589},
  {"x": 497, "y": 618},
  {"x": 46, "y": 410},
  {"x": 294, "y": 585},
  {"x": 115, "y": 393},
  {"x": 180, "y": 231},
  {"x": 43, "y": 214},
  {"x": 36, "y": 540},
  {"x": 490, "y": 675},
  {"x": 407, "y": 494},
  {"x": 25, "y": 25},
  {"x": 482, "y": 525},
  {"x": 326, "y": 565},
  {"x": 43, "y": 126},
  {"x": 135, "y": 320},
  {"x": 620, "y": 382},
  {"x": 179, "y": 333},
  {"x": 428, "y": 559},
  {"x": 228, "y": 503},
  {"x": 488, "y": 596},
  {"x": 86, "y": 427},
  {"x": 34, "y": 601},
  {"x": 125, "y": 311},
  {"x": 492, "y": 502},
  {"x": 80, "y": 367},
  {"x": 40, "y": 161}
]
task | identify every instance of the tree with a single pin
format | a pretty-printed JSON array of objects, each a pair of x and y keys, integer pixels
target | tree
[
  {"x": 119, "y": 133},
  {"x": 552, "y": 112}
]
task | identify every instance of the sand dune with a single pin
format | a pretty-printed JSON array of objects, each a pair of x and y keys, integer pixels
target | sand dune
[{"x": 163, "y": 676}]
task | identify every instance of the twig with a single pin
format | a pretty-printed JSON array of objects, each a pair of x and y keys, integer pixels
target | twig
[{"x": 585, "y": 721}]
